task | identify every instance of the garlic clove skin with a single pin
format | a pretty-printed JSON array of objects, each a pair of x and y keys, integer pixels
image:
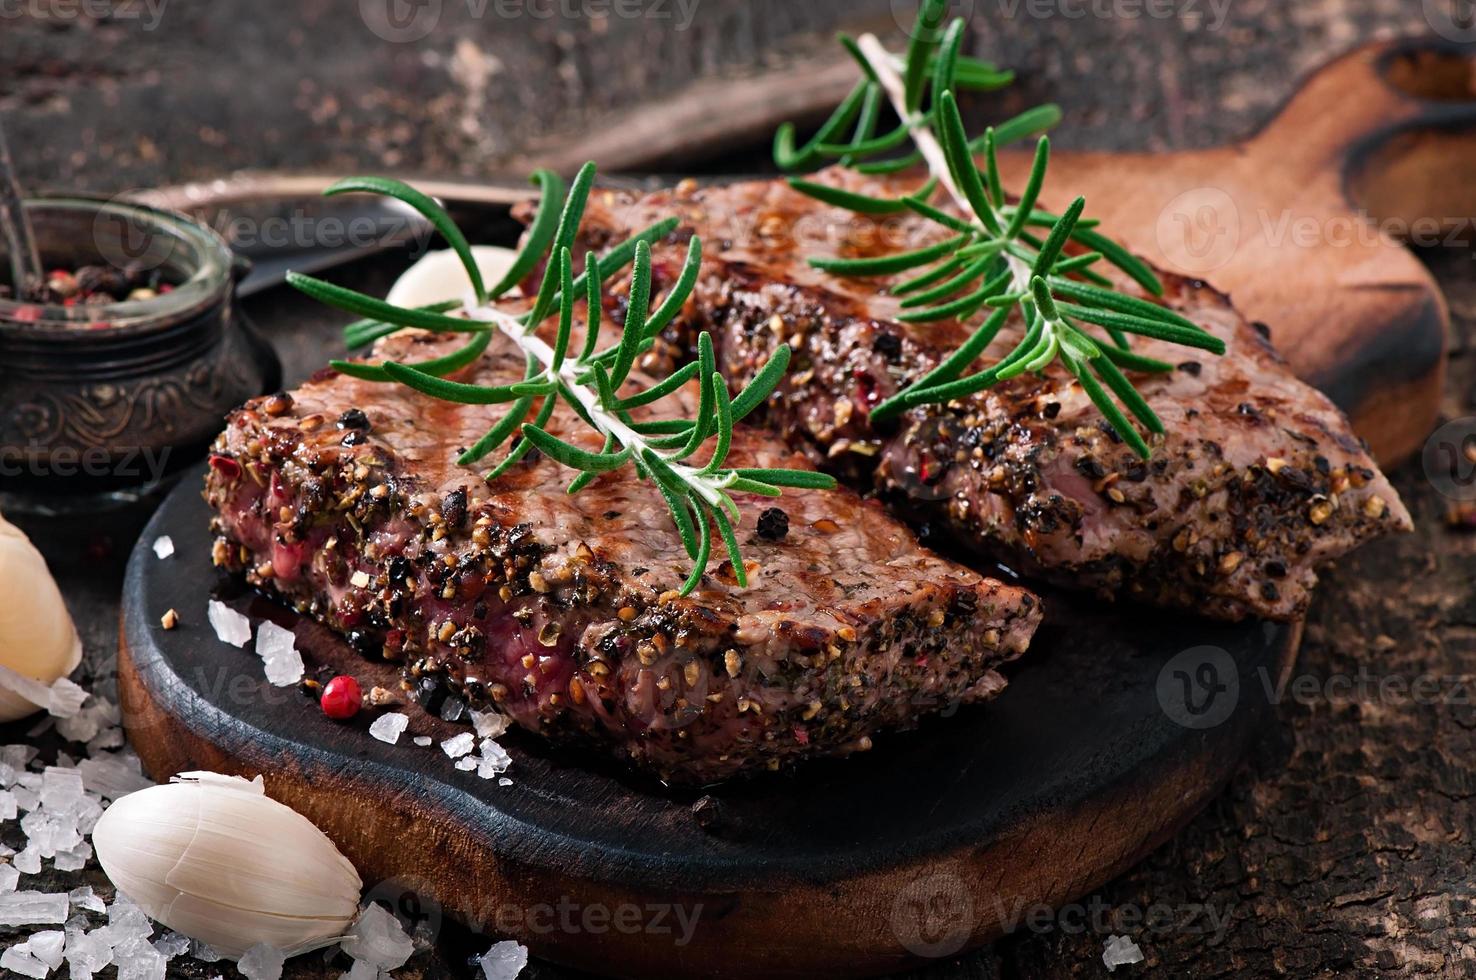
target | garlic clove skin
[
  {"x": 439, "y": 276},
  {"x": 215, "y": 858},
  {"x": 37, "y": 636}
]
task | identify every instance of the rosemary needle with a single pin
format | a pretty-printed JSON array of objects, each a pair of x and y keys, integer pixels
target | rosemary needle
[{"x": 588, "y": 380}]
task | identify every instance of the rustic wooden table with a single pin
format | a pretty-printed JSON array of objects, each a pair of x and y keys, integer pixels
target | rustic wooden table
[{"x": 1342, "y": 844}]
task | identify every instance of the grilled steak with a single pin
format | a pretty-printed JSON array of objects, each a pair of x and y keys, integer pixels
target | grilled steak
[
  {"x": 561, "y": 610},
  {"x": 1258, "y": 480}
]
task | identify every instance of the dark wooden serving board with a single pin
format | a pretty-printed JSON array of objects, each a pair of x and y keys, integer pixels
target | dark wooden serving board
[
  {"x": 933, "y": 842},
  {"x": 1306, "y": 222},
  {"x": 944, "y": 838}
]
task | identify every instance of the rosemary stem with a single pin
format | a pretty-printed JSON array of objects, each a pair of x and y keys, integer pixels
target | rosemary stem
[
  {"x": 607, "y": 422},
  {"x": 883, "y": 62}
]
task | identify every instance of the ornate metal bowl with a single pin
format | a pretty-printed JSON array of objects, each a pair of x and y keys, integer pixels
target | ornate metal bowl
[{"x": 103, "y": 404}]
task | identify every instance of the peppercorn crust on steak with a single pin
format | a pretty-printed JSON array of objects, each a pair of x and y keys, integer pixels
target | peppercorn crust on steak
[
  {"x": 344, "y": 498},
  {"x": 1259, "y": 479}
]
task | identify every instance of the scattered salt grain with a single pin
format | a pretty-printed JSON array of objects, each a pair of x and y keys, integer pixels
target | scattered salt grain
[
  {"x": 27, "y": 862},
  {"x": 9, "y": 878},
  {"x": 48, "y": 947},
  {"x": 489, "y": 724},
  {"x": 504, "y": 781},
  {"x": 495, "y": 760},
  {"x": 61, "y": 789},
  {"x": 504, "y": 961},
  {"x": 1120, "y": 951},
  {"x": 8, "y": 805},
  {"x": 377, "y": 938},
  {"x": 459, "y": 745},
  {"x": 389, "y": 727},
  {"x": 32, "y": 909},
  {"x": 423, "y": 741},
  {"x": 164, "y": 546},
  {"x": 277, "y": 648},
  {"x": 86, "y": 898},
  {"x": 113, "y": 774},
  {"x": 466, "y": 763},
  {"x": 203, "y": 953},
  {"x": 172, "y": 944},
  {"x": 18, "y": 960},
  {"x": 230, "y": 626},
  {"x": 64, "y": 699},
  {"x": 261, "y": 962},
  {"x": 361, "y": 971}
]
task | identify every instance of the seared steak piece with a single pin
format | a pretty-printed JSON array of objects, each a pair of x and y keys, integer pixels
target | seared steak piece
[
  {"x": 344, "y": 498},
  {"x": 1258, "y": 480}
]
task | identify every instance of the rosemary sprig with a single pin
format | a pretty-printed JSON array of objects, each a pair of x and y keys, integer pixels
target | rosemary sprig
[
  {"x": 993, "y": 263},
  {"x": 699, "y": 494}
]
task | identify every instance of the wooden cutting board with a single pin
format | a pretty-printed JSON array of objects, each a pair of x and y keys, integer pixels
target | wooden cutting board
[
  {"x": 1117, "y": 727},
  {"x": 1305, "y": 224}
]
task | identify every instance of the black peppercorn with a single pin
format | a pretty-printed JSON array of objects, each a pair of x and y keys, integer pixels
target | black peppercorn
[
  {"x": 354, "y": 418},
  {"x": 773, "y": 524}
]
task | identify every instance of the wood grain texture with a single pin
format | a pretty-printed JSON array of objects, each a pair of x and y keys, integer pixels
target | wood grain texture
[
  {"x": 922, "y": 847},
  {"x": 1282, "y": 221}
]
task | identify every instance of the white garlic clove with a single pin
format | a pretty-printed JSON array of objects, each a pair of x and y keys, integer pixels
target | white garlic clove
[
  {"x": 37, "y": 637},
  {"x": 213, "y": 857},
  {"x": 439, "y": 276}
]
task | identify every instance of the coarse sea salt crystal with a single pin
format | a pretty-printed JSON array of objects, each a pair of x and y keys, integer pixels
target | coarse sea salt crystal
[
  {"x": 504, "y": 961},
  {"x": 33, "y": 909},
  {"x": 137, "y": 959},
  {"x": 172, "y": 944},
  {"x": 423, "y": 740},
  {"x": 459, "y": 745},
  {"x": 18, "y": 961},
  {"x": 466, "y": 763},
  {"x": 61, "y": 789},
  {"x": 261, "y": 963},
  {"x": 389, "y": 727},
  {"x": 230, "y": 626},
  {"x": 85, "y": 898},
  {"x": 113, "y": 774},
  {"x": 8, "y": 805},
  {"x": 277, "y": 648},
  {"x": 163, "y": 546},
  {"x": 48, "y": 947},
  {"x": 64, "y": 699},
  {"x": 377, "y": 938},
  {"x": 495, "y": 760},
  {"x": 27, "y": 862},
  {"x": 9, "y": 879},
  {"x": 504, "y": 781},
  {"x": 1120, "y": 951},
  {"x": 362, "y": 971},
  {"x": 489, "y": 724}
]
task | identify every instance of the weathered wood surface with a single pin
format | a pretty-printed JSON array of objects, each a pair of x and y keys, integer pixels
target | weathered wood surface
[{"x": 1342, "y": 847}]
